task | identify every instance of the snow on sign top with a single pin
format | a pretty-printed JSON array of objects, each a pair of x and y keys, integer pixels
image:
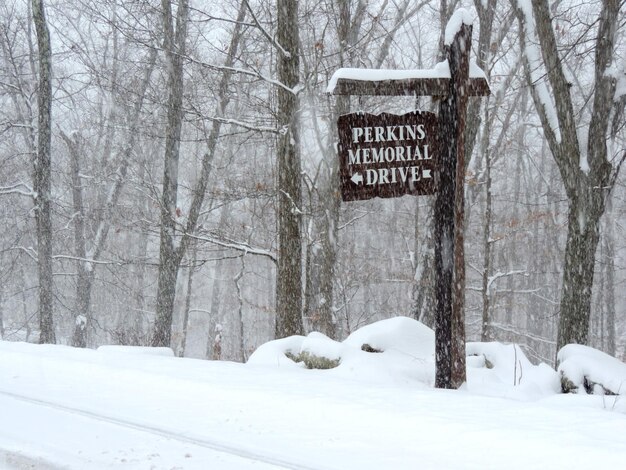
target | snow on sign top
[
  {"x": 459, "y": 18},
  {"x": 439, "y": 71}
]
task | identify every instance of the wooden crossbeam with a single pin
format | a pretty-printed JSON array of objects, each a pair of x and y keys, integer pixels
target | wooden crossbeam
[{"x": 478, "y": 86}]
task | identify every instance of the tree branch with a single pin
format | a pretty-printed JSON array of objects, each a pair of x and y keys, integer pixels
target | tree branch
[
  {"x": 245, "y": 248},
  {"x": 265, "y": 33}
]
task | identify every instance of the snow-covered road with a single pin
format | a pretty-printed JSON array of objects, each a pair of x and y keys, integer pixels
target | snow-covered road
[
  {"x": 116, "y": 442},
  {"x": 85, "y": 409}
]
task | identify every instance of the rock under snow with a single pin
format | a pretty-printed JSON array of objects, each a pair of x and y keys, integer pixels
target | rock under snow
[
  {"x": 498, "y": 369},
  {"x": 582, "y": 368},
  {"x": 401, "y": 350},
  {"x": 406, "y": 353},
  {"x": 400, "y": 334}
]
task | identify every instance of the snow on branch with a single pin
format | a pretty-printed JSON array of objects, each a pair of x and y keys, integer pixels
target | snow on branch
[
  {"x": 532, "y": 56},
  {"x": 250, "y": 73},
  {"x": 265, "y": 33},
  {"x": 525, "y": 334},
  {"x": 87, "y": 260},
  {"x": 242, "y": 247},
  {"x": 18, "y": 188},
  {"x": 29, "y": 250},
  {"x": 245, "y": 125},
  {"x": 498, "y": 275}
]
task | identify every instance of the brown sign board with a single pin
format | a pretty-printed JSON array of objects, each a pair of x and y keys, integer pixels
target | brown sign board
[{"x": 387, "y": 155}]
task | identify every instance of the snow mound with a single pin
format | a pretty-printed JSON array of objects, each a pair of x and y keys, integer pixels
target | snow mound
[
  {"x": 319, "y": 344},
  {"x": 405, "y": 353},
  {"x": 401, "y": 351},
  {"x": 498, "y": 369},
  {"x": 582, "y": 368},
  {"x": 401, "y": 334},
  {"x": 274, "y": 353}
]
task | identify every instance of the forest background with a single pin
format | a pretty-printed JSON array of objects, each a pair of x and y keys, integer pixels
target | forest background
[{"x": 147, "y": 151}]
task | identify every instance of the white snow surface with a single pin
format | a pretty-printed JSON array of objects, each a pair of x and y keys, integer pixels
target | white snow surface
[
  {"x": 70, "y": 408},
  {"x": 136, "y": 350},
  {"x": 512, "y": 375},
  {"x": 577, "y": 362}
]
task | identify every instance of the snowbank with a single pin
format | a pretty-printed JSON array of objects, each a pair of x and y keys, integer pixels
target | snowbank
[
  {"x": 82, "y": 409},
  {"x": 498, "y": 369},
  {"x": 582, "y": 368},
  {"x": 402, "y": 351}
]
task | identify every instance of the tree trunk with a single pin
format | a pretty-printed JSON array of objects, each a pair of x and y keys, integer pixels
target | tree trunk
[
  {"x": 331, "y": 200},
  {"x": 586, "y": 173},
  {"x": 485, "y": 331},
  {"x": 610, "y": 279},
  {"x": 1, "y": 311},
  {"x": 486, "y": 12},
  {"x": 83, "y": 268},
  {"x": 170, "y": 257},
  {"x": 582, "y": 240},
  {"x": 216, "y": 297},
  {"x": 42, "y": 172},
  {"x": 289, "y": 270},
  {"x": 241, "y": 333},
  {"x": 185, "y": 329},
  {"x": 174, "y": 45}
]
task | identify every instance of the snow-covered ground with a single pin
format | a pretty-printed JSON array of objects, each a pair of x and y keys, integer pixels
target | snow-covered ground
[{"x": 123, "y": 408}]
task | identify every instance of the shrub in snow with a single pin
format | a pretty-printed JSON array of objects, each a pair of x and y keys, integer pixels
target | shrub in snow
[
  {"x": 367, "y": 348},
  {"x": 582, "y": 368},
  {"x": 311, "y": 361}
]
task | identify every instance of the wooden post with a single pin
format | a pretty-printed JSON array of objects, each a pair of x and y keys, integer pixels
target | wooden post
[{"x": 449, "y": 216}]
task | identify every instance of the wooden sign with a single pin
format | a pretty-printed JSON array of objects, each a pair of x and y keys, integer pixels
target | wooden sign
[
  {"x": 366, "y": 175},
  {"x": 387, "y": 155}
]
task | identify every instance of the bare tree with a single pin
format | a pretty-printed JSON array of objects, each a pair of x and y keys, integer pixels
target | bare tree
[
  {"x": 586, "y": 169},
  {"x": 171, "y": 255},
  {"x": 174, "y": 38}
]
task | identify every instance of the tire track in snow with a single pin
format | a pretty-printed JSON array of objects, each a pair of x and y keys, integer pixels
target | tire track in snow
[{"x": 209, "y": 444}]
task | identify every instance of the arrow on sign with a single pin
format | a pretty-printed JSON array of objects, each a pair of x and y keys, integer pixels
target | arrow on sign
[
  {"x": 426, "y": 174},
  {"x": 357, "y": 178}
]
